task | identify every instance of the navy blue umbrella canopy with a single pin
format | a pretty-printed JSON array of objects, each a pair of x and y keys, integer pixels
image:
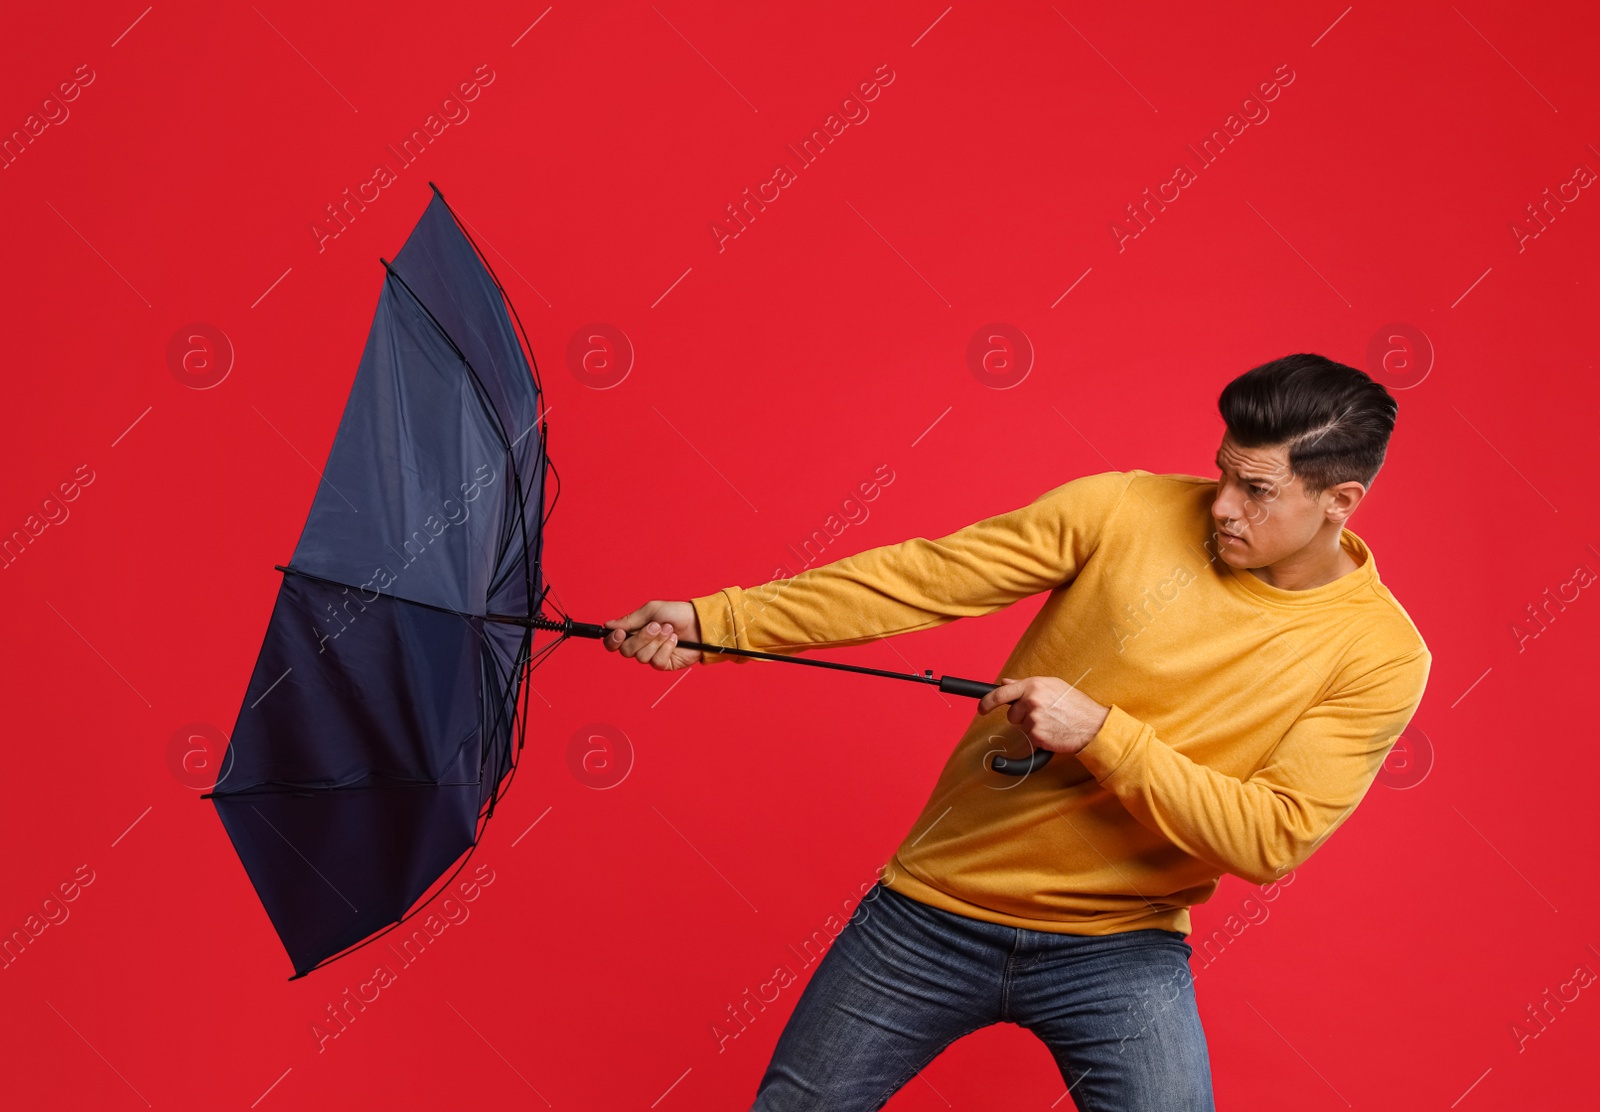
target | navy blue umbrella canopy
[{"x": 382, "y": 719}]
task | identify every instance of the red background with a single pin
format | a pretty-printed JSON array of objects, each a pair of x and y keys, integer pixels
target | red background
[{"x": 826, "y": 340}]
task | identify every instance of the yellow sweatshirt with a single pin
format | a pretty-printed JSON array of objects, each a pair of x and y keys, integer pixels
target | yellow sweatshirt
[{"x": 1246, "y": 721}]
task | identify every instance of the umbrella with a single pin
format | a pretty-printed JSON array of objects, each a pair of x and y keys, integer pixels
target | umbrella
[{"x": 387, "y": 707}]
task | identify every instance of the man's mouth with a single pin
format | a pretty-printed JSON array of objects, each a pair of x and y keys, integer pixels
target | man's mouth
[{"x": 1227, "y": 536}]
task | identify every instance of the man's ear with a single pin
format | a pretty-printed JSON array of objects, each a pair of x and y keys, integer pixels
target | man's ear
[{"x": 1343, "y": 500}]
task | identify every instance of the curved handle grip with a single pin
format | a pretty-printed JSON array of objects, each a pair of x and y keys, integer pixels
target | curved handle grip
[
  {"x": 1021, "y": 766},
  {"x": 1009, "y": 766}
]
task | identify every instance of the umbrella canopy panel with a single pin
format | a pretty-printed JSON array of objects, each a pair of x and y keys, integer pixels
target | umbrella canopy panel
[
  {"x": 354, "y": 776},
  {"x": 417, "y": 499}
]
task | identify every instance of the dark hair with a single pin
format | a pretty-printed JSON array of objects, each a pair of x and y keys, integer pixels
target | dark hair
[{"x": 1335, "y": 419}]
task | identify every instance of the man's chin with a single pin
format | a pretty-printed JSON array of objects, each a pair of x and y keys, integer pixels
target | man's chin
[{"x": 1240, "y": 561}]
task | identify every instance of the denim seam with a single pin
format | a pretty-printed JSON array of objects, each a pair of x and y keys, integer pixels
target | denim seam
[{"x": 1005, "y": 978}]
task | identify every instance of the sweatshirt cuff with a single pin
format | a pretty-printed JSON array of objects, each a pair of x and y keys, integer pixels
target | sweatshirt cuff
[
  {"x": 1108, "y": 750},
  {"x": 718, "y": 626}
]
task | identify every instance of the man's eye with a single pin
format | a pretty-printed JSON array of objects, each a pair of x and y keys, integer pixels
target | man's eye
[{"x": 1258, "y": 491}]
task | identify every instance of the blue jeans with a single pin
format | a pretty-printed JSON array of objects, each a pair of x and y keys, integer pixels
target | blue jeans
[{"x": 903, "y": 980}]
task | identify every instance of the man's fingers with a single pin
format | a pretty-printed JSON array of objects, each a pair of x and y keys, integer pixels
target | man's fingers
[
  {"x": 646, "y": 636},
  {"x": 1005, "y": 693},
  {"x": 649, "y": 642},
  {"x": 629, "y": 624},
  {"x": 620, "y": 628},
  {"x": 624, "y": 630},
  {"x": 627, "y": 621},
  {"x": 667, "y": 650},
  {"x": 639, "y": 641},
  {"x": 658, "y": 649}
]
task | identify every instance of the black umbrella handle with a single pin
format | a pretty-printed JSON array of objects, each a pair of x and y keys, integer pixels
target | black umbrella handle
[
  {"x": 1021, "y": 766},
  {"x": 950, "y": 685},
  {"x": 1010, "y": 766},
  {"x": 972, "y": 689}
]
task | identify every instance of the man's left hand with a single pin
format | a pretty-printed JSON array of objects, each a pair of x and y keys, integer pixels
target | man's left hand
[{"x": 1050, "y": 711}]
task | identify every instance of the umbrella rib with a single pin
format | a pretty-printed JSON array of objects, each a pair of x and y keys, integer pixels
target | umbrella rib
[
  {"x": 352, "y": 587},
  {"x": 280, "y": 787}
]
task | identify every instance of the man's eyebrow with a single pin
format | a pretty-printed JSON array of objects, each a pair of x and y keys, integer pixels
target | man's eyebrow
[{"x": 1217, "y": 459}]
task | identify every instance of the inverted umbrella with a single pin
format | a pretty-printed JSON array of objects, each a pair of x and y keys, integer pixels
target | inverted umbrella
[{"x": 387, "y": 707}]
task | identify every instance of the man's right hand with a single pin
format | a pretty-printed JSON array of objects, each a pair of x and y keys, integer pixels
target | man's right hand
[{"x": 650, "y": 634}]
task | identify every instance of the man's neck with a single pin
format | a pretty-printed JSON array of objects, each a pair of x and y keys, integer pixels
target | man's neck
[{"x": 1316, "y": 565}]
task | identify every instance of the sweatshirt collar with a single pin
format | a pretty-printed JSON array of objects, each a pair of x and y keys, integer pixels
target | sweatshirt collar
[{"x": 1363, "y": 576}]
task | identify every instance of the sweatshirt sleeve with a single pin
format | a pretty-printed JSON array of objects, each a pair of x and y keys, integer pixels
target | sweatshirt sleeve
[
  {"x": 919, "y": 583},
  {"x": 1263, "y": 827}
]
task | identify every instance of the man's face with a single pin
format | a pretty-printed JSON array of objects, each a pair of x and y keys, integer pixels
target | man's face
[{"x": 1261, "y": 513}]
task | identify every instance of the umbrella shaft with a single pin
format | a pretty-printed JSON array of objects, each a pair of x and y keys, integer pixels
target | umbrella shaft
[{"x": 950, "y": 685}]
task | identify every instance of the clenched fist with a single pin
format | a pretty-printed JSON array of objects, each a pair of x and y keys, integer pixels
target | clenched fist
[
  {"x": 1051, "y": 712},
  {"x": 650, "y": 634}
]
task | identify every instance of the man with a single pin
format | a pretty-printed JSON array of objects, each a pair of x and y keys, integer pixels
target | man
[{"x": 1219, "y": 673}]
